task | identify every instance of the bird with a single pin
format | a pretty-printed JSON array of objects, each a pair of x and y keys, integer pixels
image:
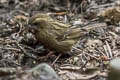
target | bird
[{"x": 56, "y": 35}]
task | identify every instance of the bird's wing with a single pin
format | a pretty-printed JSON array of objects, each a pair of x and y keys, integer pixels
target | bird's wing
[
  {"x": 76, "y": 33},
  {"x": 72, "y": 33}
]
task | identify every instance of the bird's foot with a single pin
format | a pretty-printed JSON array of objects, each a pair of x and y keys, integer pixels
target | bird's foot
[{"x": 44, "y": 58}]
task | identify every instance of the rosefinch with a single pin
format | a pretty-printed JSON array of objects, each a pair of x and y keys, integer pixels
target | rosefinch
[{"x": 56, "y": 35}]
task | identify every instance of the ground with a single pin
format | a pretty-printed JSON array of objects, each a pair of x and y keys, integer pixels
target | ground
[{"x": 88, "y": 60}]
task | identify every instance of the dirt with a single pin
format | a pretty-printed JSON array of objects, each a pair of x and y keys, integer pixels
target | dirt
[{"x": 89, "y": 58}]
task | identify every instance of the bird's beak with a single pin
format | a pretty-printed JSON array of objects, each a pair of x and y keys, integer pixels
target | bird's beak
[{"x": 32, "y": 28}]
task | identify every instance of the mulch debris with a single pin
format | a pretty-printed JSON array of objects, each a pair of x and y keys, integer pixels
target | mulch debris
[{"x": 20, "y": 51}]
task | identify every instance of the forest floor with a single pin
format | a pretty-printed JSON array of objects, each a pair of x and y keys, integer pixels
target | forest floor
[{"x": 20, "y": 51}]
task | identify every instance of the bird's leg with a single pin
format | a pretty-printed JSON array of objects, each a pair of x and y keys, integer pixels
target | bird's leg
[
  {"x": 46, "y": 57},
  {"x": 56, "y": 59},
  {"x": 50, "y": 53}
]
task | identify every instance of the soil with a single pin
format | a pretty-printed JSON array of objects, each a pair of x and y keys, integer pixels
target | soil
[{"x": 88, "y": 60}]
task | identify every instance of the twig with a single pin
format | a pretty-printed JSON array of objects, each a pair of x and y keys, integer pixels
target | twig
[
  {"x": 24, "y": 51},
  {"x": 35, "y": 51},
  {"x": 68, "y": 6},
  {"x": 56, "y": 59},
  {"x": 101, "y": 52},
  {"x": 88, "y": 54},
  {"x": 13, "y": 49},
  {"x": 109, "y": 49},
  {"x": 107, "y": 54}
]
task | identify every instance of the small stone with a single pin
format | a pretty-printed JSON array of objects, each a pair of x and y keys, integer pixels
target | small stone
[
  {"x": 44, "y": 72},
  {"x": 114, "y": 73}
]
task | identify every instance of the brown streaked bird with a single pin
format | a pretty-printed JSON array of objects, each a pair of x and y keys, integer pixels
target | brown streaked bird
[{"x": 56, "y": 35}]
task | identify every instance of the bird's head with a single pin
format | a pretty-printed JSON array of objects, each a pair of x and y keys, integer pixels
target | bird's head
[{"x": 39, "y": 21}]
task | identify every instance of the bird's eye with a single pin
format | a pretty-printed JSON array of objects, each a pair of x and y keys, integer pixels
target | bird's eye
[{"x": 36, "y": 24}]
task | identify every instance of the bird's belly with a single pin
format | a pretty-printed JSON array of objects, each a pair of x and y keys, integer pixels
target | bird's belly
[
  {"x": 49, "y": 41},
  {"x": 46, "y": 40}
]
